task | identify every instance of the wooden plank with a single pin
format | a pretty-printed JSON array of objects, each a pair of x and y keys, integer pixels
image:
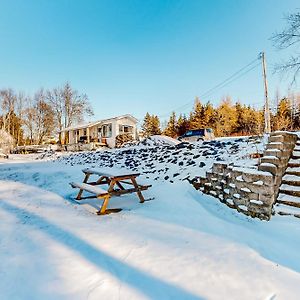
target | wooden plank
[
  {"x": 125, "y": 182},
  {"x": 128, "y": 191},
  {"x": 89, "y": 188},
  {"x": 111, "y": 175},
  {"x": 124, "y": 177},
  {"x": 140, "y": 195},
  {"x": 121, "y": 192},
  {"x": 86, "y": 178},
  {"x": 120, "y": 185}
]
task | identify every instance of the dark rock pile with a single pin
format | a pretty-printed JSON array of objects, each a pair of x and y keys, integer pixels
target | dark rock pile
[{"x": 164, "y": 161}]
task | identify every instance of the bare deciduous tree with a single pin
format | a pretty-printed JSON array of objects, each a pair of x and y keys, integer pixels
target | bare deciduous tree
[
  {"x": 69, "y": 106},
  {"x": 44, "y": 118},
  {"x": 29, "y": 116},
  {"x": 289, "y": 37}
]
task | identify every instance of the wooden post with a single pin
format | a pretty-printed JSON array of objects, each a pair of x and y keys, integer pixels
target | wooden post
[
  {"x": 139, "y": 193},
  {"x": 88, "y": 134},
  {"x": 267, "y": 106},
  {"x": 87, "y": 176},
  {"x": 104, "y": 204}
]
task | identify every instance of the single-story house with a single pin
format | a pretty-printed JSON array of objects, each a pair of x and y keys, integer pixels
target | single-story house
[{"x": 99, "y": 133}]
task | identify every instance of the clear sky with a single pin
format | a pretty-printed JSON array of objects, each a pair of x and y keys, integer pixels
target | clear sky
[{"x": 134, "y": 56}]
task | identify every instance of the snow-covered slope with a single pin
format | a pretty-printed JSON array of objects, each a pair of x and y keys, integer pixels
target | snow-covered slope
[
  {"x": 181, "y": 245},
  {"x": 170, "y": 162}
]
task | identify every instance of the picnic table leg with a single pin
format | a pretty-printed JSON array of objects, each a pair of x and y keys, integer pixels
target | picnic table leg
[
  {"x": 139, "y": 193},
  {"x": 104, "y": 205},
  {"x": 120, "y": 185},
  {"x": 86, "y": 178},
  {"x": 111, "y": 186}
]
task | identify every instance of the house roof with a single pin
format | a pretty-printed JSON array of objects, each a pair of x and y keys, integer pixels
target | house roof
[{"x": 91, "y": 124}]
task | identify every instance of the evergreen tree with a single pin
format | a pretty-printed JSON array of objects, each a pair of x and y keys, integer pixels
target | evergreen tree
[
  {"x": 239, "y": 126},
  {"x": 283, "y": 117},
  {"x": 182, "y": 125},
  {"x": 208, "y": 116},
  {"x": 226, "y": 118},
  {"x": 170, "y": 130},
  {"x": 197, "y": 116},
  {"x": 146, "y": 127},
  {"x": 154, "y": 125},
  {"x": 253, "y": 124},
  {"x": 151, "y": 125}
]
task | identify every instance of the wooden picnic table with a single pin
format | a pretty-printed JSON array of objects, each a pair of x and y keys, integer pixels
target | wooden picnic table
[{"x": 117, "y": 185}]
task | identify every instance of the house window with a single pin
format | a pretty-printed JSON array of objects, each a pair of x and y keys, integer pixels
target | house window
[
  {"x": 107, "y": 130},
  {"x": 84, "y": 132},
  {"x": 125, "y": 129}
]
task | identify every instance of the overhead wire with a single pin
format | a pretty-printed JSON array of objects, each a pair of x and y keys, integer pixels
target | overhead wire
[{"x": 220, "y": 85}]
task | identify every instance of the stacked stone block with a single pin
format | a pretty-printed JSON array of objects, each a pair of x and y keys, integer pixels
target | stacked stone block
[
  {"x": 251, "y": 191},
  {"x": 247, "y": 190},
  {"x": 277, "y": 154}
]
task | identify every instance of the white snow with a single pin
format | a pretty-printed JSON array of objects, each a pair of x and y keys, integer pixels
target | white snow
[
  {"x": 294, "y": 161},
  {"x": 240, "y": 178},
  {"x": 293, "y": 178},
  {"x": 267, "y": 165},
  {"x": 165, "y": 139},
  {"x": 256, "y": 202},
  {"x": 285, "y": 197},
  {"x": 292, "y": 188},
  {"x": 181, "y": 245},
  {"x": 226, "y": 191},
  {"x": 259, "y": 182},
  {"x": 291, "y": 169},
  {"x": 273, "y": 150},
  {"x": 252, "y": 171},
  {"x": 230, "y": 201},
  {"x": 243, "y": 207},
  {"x": 245, "y": 189},
  {"x": 271, "y": 157},
  {"x": 290, "y": 210}
]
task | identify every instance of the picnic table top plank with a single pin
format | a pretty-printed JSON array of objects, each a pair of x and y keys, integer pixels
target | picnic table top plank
[
  {"x": 110, "y": 175},
  {"x": 89, "y": 188}
]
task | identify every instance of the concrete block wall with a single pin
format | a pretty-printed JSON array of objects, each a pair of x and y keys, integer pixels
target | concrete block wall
[
  {"x": 247, "y": 190},
  {"x": 277, "y": 154},
  {"x": 251, "y": 191}
]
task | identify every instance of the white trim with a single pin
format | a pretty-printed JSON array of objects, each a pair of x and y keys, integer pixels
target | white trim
[{"x": 91, "y": 124}]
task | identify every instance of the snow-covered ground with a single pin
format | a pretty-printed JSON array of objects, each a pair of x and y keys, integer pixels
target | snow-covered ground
[{"x": 181, "y": 245}]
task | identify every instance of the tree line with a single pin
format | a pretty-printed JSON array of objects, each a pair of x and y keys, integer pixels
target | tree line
[
  {"x": 32, "y": 119},
  {"x": 226, "y": 119}
]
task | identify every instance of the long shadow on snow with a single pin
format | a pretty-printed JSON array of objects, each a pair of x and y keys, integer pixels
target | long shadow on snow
[
  {"x": 145, "y": 283},
  {"x": 217, "y": 219}
]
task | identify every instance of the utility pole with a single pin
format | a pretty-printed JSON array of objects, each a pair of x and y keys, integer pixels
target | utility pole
[{"x": 267, "y": 106}]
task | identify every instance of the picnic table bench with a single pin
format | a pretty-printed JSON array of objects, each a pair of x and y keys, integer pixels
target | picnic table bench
[{"x": 117, "y": 185}]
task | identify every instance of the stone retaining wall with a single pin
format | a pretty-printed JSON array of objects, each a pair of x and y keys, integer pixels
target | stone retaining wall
[
  {"x": 251, "y": 191},
  {"x": 276, "y": 156}
]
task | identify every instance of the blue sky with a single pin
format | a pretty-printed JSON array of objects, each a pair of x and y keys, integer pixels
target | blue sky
[{"x": 133, "y": 56}]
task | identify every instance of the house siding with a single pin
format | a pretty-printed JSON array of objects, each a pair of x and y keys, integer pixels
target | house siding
[{"x": 92, "y": 131}]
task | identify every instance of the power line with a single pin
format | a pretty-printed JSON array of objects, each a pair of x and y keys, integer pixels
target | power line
[
  {"x": 234, "y": 79},
  {"x": 230, "y": 77},
  {"x": 220, "y": 85}
]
